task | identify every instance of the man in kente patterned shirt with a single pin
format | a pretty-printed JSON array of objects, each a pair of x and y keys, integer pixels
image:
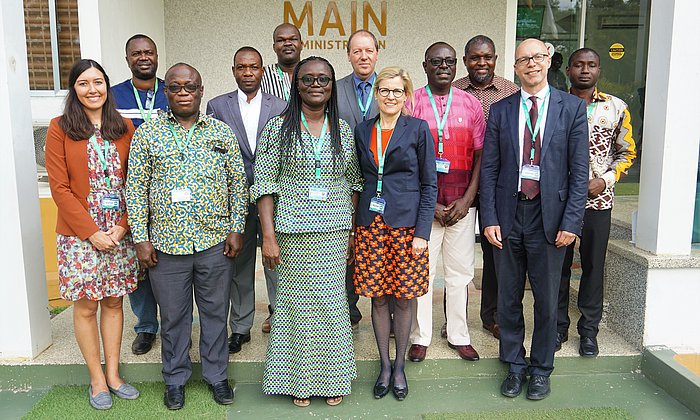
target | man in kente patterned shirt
[
  {"x": 611, "y": 153},
  {"x": 187, "y": 203}
]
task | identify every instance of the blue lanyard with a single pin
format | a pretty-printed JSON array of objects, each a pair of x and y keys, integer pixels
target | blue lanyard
[
  {"x": 380, "y": 156},
  {"x": 364, "y": 109},
  {"x": 144, "y": 116},
  {"x": 102, "y": 154},
  {"x": 440, "y": 123},
  {"x": 318, "y": 142},
  {"x": 534, "y": 132}
]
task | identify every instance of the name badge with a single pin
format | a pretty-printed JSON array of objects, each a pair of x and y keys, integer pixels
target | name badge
[
  {"x": 110, "y": 202},
  {"x": 179, "y": 195},
  {"x": 318, "y": 193},
  {"x": 442, "y": 165},
  {"x": 377, "y": 205},
  {"x": 531, "y": 172}
]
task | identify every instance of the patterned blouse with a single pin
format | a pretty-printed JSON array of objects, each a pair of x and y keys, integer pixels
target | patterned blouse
[
  {"x": 295, "y": 212},
  {"x": 612, "y": 148},
  {"x": 211, "y": 168}
]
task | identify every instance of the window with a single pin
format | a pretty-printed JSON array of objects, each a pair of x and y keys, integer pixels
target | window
[{"x": 53, "y": 42}]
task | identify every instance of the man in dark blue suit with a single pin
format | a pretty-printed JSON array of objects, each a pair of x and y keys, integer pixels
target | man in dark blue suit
[
  {"x": 534, "y": 179},
  {"x": 246, "y": 111}
]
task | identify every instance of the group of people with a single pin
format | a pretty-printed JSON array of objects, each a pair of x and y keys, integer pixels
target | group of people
[{"x": 351, "y": 187}]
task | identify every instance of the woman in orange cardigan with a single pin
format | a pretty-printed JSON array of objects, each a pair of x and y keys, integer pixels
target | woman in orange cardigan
[{"x": 86, "y": 153}]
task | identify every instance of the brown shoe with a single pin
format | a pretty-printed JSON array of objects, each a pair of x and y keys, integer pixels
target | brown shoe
[
  {"x": 266, "y": 325},
  {"x": 493, "y": 329},
  {"x": 417, "y": 353},
  {"x": 465, "y": 352},
  {"x": 443, "y": 330}
]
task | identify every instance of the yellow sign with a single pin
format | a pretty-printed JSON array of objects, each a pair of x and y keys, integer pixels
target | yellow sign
[{"x": 616, "y": 51}]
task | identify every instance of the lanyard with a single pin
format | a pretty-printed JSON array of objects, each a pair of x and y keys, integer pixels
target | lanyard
[
  {"x": 534, "y": 132},
  {"x": 182, "y": 147},
  {"x": 364, "y": 109},
  {"x": 102, "y": 154},
  {"x": 380, "y": 157},
  {"x": 440, "y": 123},
  {"x": 284, "y": 86},
  {"x": 144, "y": 116},
  {"x": 318, "y": 142}
]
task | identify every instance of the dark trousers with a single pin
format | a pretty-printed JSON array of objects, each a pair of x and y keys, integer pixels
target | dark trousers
[
  {"x": 174, "y": 278},
  {"x": 592, "y": 248},
  {"x": 526, "y": 250},
  {"x": 489, "y": 283},
  {"x": 144, "y": 306},
  {"x": 243, "y": 280},
  {"x": 353, "y": 298}
]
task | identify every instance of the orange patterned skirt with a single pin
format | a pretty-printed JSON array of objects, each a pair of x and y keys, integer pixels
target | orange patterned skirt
[{"x": 385, "y": 264}]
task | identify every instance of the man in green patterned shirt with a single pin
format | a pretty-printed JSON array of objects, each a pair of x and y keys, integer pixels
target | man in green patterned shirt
[{"x": 187, "y": 203}]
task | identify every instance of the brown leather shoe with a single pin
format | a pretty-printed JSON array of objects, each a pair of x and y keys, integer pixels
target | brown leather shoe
[
  {"x": 465, "y": 352},
  {"x": 493, "y": 329},
  {"x": 417, "y": 353},
  {"x": 266, "y": 325}
]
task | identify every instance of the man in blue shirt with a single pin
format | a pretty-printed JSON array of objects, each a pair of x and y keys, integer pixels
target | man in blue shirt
[{"x": 141, "y": 98}]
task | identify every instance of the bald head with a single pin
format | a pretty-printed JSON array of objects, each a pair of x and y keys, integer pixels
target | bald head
[
  {"x": 532, "y": 62},
  {"x": 180, "y": 68},
  {"x": 184, "y": 90},
  {"x": 285, "y": 27},
  {"x": 529, "y": 44}
]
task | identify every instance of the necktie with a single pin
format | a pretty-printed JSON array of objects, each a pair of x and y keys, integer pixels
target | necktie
[{"x": 529, "y": 187}]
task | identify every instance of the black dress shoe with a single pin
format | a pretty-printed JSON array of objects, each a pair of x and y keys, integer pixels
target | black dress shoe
[
  {"x": 538, "y": 388},
  {"x": 235, "y": 342},
  {"x": 174, "y": 397},
  {"x": 380, "y": 389},
  {"x": 588, "y": 347},
  {"x": 512, "y": 386},
  {"x": 143, "y": 343},
  {"x": 223, "y": 394},
  {"x": 400, "y": 392},
  {"x": 561, "y": 338}
]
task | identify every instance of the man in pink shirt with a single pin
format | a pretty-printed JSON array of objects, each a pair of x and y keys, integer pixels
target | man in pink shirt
[{"x": 456, "y": 121}]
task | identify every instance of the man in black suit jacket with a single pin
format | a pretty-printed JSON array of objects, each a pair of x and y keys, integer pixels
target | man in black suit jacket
[
  {"x": 534, "y": 179},
  {"x": 246, "y": 111},
  {"x": 356, "y": 104}
]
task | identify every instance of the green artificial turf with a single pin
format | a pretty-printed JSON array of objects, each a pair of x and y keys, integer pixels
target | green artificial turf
[
  {"x": 627, "y": 188},
  {"x": 71, "y": 402},
  {"x": 594, "y": 413}
]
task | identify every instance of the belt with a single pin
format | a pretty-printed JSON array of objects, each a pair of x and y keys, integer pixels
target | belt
[{"x": 523, "y": 197}]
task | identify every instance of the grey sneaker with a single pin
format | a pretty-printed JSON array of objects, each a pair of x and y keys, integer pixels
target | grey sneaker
[
  {"x": 101, "y": 401},
  {"x": 125, "y": 391}
]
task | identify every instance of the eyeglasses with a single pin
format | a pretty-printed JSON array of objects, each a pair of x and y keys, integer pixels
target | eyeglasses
[
  {"x": 384, "y": 92},
  {"x": 309, "y": 80},
  {"x": 437, "y": 62},
  {"x": 537, "y": 58},
  {"x": 189, "y": 88}
]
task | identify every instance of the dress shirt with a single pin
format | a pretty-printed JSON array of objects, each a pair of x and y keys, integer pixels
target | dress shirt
[
  {"x": 250, "y": 114},
  {"x": 541, "y": 95},
  {"x": 212, "y": 169},
  {"x": 498, "y": 89},
  {"x": 361, "y": 94},
  {"x": 611, "y": 146}
]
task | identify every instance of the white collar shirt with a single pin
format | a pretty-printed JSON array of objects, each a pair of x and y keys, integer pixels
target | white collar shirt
[
  {"x": 541, "y": 96},
  {"x": 250, "y": 114}
]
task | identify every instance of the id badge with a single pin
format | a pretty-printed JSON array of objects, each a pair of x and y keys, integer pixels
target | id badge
[
  {"x": 442, "y": 165},
  {"x": 377, "y": 205},
  {"x": 531, "y": 172},
  {"x": 179, "y": 195},
  {"x": 318, "y": 193},
  {"x": 110, "y": 202}
]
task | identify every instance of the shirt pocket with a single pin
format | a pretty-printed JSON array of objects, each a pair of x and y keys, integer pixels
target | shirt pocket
[{"x": 213, "y": 185}]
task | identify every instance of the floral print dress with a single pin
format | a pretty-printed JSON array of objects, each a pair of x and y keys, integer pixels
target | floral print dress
[{"x": 83, "y": 270}]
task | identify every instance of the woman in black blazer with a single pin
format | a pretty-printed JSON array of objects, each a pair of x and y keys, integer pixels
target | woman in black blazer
[{"x": 393, "y": 219}]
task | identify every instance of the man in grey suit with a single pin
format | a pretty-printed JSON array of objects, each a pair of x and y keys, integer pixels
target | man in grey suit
[
  {"x": 355, "y": 104},
  {"x": 246, "y": 111}
]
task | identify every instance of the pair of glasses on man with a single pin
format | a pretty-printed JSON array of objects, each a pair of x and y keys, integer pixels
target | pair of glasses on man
[
  {"x": 189, "y": 88},
  {"x": 309, "y": 80},
  {"x": 384, "y": 92},
  {"x": 437, "y": 62},
  {"x": 537, "y": 58}
]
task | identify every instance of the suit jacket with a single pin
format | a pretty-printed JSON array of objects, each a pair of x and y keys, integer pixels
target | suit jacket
[
  {"x": 347, "y": 102},
  {"x": 67, "y": 166},
  {"x": 409, "y": 181},
  {"x": 563, "y": 165},
  {"x": 225, "y": 108}
]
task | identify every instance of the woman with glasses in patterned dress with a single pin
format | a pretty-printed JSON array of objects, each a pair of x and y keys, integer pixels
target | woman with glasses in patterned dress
[
  {"x": 306, "y": 187},
  {"x": 86, "y": 153},
  {"x": 394, "y": 218}
]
